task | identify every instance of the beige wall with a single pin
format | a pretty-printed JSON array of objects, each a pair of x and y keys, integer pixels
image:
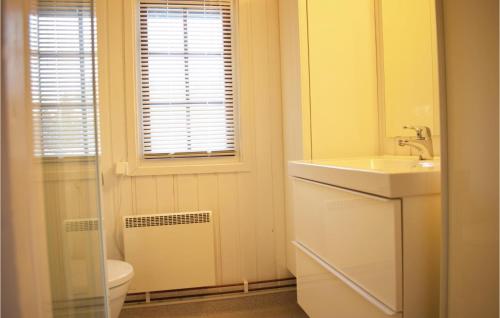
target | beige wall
[
  {"x": 248, "y": 206},
  {"x": 471, "y": 38}
]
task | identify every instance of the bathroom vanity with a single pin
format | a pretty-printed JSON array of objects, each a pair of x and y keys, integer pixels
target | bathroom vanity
[{"x": 367, "y": 237}]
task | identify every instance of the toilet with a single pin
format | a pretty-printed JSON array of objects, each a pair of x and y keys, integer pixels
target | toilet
[{"x": 119, "y": 276}]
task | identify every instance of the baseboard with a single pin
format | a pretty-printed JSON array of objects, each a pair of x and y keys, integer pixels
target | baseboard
[
  {"x": 209, "y": 293},
  {"x": 82, "y": 307}
]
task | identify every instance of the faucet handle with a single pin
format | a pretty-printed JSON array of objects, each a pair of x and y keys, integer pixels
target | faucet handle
[{"x": 423, "y": 132}]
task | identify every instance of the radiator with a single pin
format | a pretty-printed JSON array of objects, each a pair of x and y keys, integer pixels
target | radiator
[
  {"x": 170, "y": 251},
  {"x": 80, "y": 258}
]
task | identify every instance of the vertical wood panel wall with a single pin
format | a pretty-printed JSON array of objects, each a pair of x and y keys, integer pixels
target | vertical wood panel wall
[{"x": 248, "y": 206}]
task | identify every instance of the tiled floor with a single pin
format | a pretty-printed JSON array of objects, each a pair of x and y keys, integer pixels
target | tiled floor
[{"x": 280, "y": 305}]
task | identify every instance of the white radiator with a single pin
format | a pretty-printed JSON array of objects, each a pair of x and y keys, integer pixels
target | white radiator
[
  {"x": 170, "y": 251},
  {"x": 80, "y": 258}
]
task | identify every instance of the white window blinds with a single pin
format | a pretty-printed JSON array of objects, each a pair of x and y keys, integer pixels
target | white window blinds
[
  {"x": 63, "y": 78},
  {"x": 186, "y": 78}
]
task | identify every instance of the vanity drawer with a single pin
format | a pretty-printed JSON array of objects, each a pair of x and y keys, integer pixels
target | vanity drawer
[
  {"x": 323, "y": 295},
  {"x": 356, "y": 234}
]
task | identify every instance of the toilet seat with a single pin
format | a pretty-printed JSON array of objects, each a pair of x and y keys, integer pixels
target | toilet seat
[{"x": 118, "y": 272}]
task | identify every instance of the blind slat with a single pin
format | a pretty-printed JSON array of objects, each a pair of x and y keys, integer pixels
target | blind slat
[{"x": 186, "y": 78}]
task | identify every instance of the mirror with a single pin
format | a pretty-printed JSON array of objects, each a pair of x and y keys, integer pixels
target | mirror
[{"x": 408, "y": 65}]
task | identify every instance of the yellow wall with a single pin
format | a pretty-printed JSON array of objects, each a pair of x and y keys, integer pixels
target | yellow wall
[
  {"x": 329, "y": 84},
  {"x": 334, "y": 75},
  {"x": 409, "y": 92},
  {"x": 408, "y": 49},
  {"x": 343, "y": 78},
  {"x": 295, "y": 99},
  {"x": 471, "y": 38}
]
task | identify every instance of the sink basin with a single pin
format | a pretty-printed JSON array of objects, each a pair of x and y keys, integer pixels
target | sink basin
[
  {"x": 381, "y": 164},
  {"x": 387, "y": 176}
]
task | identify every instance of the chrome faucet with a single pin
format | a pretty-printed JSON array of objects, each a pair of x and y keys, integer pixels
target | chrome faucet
[{"x": 422, "y": 142}]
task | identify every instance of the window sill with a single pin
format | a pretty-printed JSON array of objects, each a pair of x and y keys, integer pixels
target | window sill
[
  {"x": 68, "y": 169},
  {"x": 162, "y": 167}
]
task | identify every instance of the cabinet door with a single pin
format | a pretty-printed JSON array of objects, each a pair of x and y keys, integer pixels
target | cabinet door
[
  {"x": 324, "y": 295},
  {"x": 356, "y": 234}
]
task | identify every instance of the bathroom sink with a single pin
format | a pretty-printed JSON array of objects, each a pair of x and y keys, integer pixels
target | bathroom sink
[
  {"x": 381, "y": 164},
  {"x": 387, "y": 176}
]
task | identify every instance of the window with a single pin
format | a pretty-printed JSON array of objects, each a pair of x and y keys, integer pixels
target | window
[
  {"x": 63, "y": 78},
  {"x": 186, "y": 78}
]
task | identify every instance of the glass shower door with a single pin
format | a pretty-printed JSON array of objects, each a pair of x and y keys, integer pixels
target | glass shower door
[{"x": 64, "y": 97}]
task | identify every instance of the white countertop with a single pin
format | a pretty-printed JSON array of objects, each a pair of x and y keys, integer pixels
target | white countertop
[{"x": 387, "y": 176}]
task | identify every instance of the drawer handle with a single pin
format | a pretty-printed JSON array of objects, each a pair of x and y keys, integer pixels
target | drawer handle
[{"x": 374, "y": 301}]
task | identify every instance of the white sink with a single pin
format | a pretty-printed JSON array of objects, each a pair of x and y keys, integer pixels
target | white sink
[{"x": 387, "y": 176}]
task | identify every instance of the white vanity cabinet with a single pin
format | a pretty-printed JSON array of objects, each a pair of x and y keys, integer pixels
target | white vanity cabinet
[
  {"x": 356, "y": 236},
  {"x": 361, "y": 255}
]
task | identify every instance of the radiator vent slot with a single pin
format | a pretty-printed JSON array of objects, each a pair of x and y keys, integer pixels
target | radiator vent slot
[
  {"x": 167, "y": 219},
  {"x": 81, "y": 225}
]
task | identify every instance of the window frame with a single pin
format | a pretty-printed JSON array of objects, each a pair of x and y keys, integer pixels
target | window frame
[
  {"x": 190, "y": 102},
  {"x": 136, "y": 164}
]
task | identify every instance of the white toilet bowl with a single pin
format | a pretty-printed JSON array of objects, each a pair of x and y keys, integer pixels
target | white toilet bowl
[{"x": 119, "y": 276}]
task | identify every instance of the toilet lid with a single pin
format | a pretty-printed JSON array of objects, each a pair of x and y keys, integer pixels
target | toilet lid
[{"x": 119, "y": 272}]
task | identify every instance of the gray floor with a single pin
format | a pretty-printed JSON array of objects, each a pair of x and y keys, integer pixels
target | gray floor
[{"x": 280, "y": 305}]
